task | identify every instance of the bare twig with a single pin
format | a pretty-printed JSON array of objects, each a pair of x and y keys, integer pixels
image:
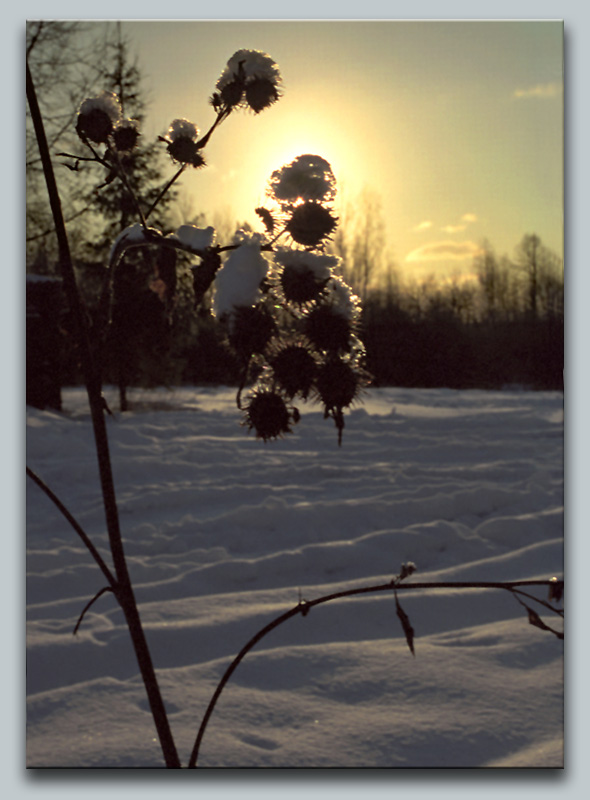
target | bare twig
[
  {"x": 76, "y": 526},
  {"x": 89, "y": 604},
  {"x": 164, "y": 190}
]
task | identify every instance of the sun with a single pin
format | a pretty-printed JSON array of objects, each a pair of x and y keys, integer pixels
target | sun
[
  {"x": 288, "y": 141},
  {"x": 237, "y": 177}
]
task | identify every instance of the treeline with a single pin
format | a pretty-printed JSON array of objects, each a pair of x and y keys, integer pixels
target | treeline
[
  {"x": 498, "y": 327},
  {"x": 502, "y": 326},
  {"x": 441, "y": 347}
]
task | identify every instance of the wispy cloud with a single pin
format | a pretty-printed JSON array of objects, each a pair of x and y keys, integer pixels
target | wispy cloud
[
  {"x": 553, "y": 89},
  {"x": 443, "y": 251},
  {"x": 466, "y": 219},
  {"x": 422, "y": 226},
  {"x": 453, "y": 228}
]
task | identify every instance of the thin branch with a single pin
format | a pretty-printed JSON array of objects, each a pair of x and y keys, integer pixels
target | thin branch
[
  {"x": 89, "y": 604},
  {"x": 303, "y": 607},
  {"x": 221, "y": 115},
  {"x": 199, "y": 145},
  {"x": 51, "y": 231},
  {"x": 164, "y": 190},
  {"x": 544, "y": 603},
  {"x": 126, "y": 184},
  {"x": 77, "y": 527},
  {"x": 95, "y": 159}
]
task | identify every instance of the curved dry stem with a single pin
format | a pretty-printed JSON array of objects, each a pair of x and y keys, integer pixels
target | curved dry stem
[
  {"x": 303, "y": 607},
  {"x": 90, "y": 604},
  {"x": 76, "y": 526}
]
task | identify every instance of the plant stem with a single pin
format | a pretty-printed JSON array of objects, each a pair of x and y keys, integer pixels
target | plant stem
[
  {"x": 164, "y": 190},
  {"x": 304, "y": 606},
  {"x": 126, "y": 184},
  {"x": 124, "y": 591},
  {"x": 76, "y": 526}
]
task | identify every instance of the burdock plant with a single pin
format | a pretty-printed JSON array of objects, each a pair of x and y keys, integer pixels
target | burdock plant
[
  {"x": 264, "y": 302},
  {"x": 292, "y": 320},
  {"x": 315, "y": 312}
]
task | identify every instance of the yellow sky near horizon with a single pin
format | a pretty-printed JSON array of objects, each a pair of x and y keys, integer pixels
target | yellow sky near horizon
[{"x": 456, "y": 126}]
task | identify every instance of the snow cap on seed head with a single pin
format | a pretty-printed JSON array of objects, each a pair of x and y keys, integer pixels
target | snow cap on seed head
[
  {"x": 182, "y": 129},
  {"x": 250, "y": 79},
  {"x": 307, "y": 177},
  {"x": 194, "y": 239},
  {"x": 320, "y": 264},
  {"x": 182, "y": 142},
  {"x": 340, "y": 298},
  {"x": 238, "y": 282},
  {"x": 302, "y": 274},
  {"x": 97, "y": 116}
]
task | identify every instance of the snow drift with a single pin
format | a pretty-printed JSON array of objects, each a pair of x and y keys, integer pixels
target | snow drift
[{"x": 223, "y": 533}]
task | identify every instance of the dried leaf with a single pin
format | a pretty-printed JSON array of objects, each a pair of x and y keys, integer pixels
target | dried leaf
[
  {"x": 405, "y": 621},
  {"x": 204, "y": 274},
  {"x": 267, "y": 218},
  {"x": 535, "y": 619},
  {"x": 555, "y": 590}
]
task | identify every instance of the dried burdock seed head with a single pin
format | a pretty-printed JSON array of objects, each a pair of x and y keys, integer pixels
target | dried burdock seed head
[
  {"x": 300, "y": 286},
  {"x": 338, "y": 384},
  {"x": 268, "y": 415},
  {"x": 303, "y": 275},
  {"x": 307, "y": 177},
  {"x": 260, "y": 94},
  {"x": 310, "y": 224},
  {"x": 97, "y": 117},
  {"x": 251, "y": 79},
  {"x": 185, "y": 152},
  {"x": 294, "y": 369},
  {"x": 126, "y": 135},
  {"x": 251, "y": 329},
  {"x": 182, "y": 143},
  {"x": 328, "y": 330}
]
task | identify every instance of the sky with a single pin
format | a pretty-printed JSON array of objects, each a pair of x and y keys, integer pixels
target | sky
[{"x": 456, "y": 127}]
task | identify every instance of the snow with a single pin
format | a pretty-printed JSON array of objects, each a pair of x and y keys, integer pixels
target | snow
[
  {"x": 238, "y": 281},
  {"x": 195, "y": 239},
  {"x": 224, "y": 533}
]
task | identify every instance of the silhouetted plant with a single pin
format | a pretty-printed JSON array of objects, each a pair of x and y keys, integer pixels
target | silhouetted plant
[{"x": 293, "y": 324}]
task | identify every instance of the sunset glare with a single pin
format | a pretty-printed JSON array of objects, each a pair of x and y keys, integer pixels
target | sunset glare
[{"x": 456, "y": 126}]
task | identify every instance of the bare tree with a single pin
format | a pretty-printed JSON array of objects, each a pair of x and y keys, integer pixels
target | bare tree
[
  {"x": 361, "y": 241},
  {"x": 64, "y": 59},
  {"x": 542, "y": 271},
  {"x": 527, "y": 260}
]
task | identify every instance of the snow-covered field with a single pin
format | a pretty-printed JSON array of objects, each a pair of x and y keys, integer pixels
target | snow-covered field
[{"x": 223, "y": 533}]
